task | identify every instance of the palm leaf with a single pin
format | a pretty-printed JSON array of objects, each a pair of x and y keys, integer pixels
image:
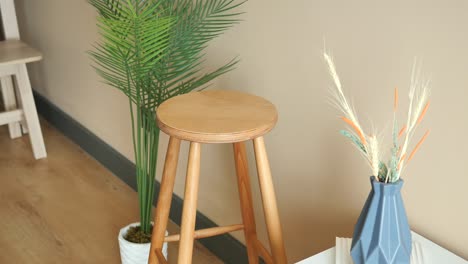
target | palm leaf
[
  {"x": 135, "y": 36},
  {"x": 152, "y": 50},
  {"x": 198, "y": 22}
]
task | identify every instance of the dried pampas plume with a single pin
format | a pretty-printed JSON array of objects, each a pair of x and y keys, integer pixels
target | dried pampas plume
[{"x": 368, "y": 146}]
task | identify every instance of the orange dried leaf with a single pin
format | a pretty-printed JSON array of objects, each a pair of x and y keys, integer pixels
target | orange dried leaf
[
  {"x": 355, "y": 127},
  {"x": 402, "y": 131},
  {"x": 423, "y": 113},
  {"x": 418, "y": 145},
  {"x": 395, "y": 102}
]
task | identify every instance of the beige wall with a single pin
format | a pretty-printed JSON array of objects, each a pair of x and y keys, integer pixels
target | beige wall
[{"x": 321, "y": 181}]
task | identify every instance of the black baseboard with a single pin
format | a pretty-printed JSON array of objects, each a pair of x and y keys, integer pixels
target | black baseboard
[{"x": 226, "y": 247}]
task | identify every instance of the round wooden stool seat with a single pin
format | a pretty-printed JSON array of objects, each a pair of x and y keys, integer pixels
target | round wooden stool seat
[{"x": 216, "y": 116}]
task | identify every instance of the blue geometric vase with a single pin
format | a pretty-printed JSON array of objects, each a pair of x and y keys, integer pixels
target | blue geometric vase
[{"x": 382, "y": 234}]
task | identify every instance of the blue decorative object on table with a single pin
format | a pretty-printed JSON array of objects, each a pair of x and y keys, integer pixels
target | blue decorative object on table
[{"x": 382, "y": 234}]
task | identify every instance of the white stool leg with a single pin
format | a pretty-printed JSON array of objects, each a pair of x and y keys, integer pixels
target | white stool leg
[
  {"x": 30, "y": 112},
  {"x": 24, "y": 126},
  {"x": 9, "y": 101}
]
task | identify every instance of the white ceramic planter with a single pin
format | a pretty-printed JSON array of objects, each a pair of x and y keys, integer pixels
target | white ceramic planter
[{"x": 134, "y": 253}]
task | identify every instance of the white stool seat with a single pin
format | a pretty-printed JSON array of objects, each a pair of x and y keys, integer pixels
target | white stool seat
[{"x": 16, "y": 52}]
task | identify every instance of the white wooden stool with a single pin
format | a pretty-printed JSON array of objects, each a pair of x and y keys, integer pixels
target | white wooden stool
[{"x": 14, "y": 55}]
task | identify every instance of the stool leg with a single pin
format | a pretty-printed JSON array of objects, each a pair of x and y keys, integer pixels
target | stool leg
[
  {"x": 190, "y": 205},
  {"x": 163, "y": 207},
  {"x": 245, "y": 196},
  {"x": 9, "y": 102},
  {"x": 24, "y": 126},
  {"x": 269, "y": 202},
  {"x": 30, "y": 112}
]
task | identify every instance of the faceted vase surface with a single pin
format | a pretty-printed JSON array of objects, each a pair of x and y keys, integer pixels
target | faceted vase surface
[{"x": 382, "y": 234}]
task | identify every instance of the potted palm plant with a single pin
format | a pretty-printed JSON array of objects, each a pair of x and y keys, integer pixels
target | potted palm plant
[{"x": 152, "y": 50}]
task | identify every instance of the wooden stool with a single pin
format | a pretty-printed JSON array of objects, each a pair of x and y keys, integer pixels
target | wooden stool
[
  {"x": 217, "y": 116},
  {"x": 14, "y": 54}
]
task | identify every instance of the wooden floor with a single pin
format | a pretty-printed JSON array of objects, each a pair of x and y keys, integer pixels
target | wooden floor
[{"x": 66, "y": 208}]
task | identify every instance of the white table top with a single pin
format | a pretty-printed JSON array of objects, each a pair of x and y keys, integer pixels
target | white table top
[{"x": 434, "y": 254}]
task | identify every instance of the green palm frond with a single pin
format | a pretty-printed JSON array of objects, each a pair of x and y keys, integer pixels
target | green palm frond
[
  {"x": 198, "y": 22},
  {"x": 135, "y": 36},
  {"x": 153, "y": 50}
]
